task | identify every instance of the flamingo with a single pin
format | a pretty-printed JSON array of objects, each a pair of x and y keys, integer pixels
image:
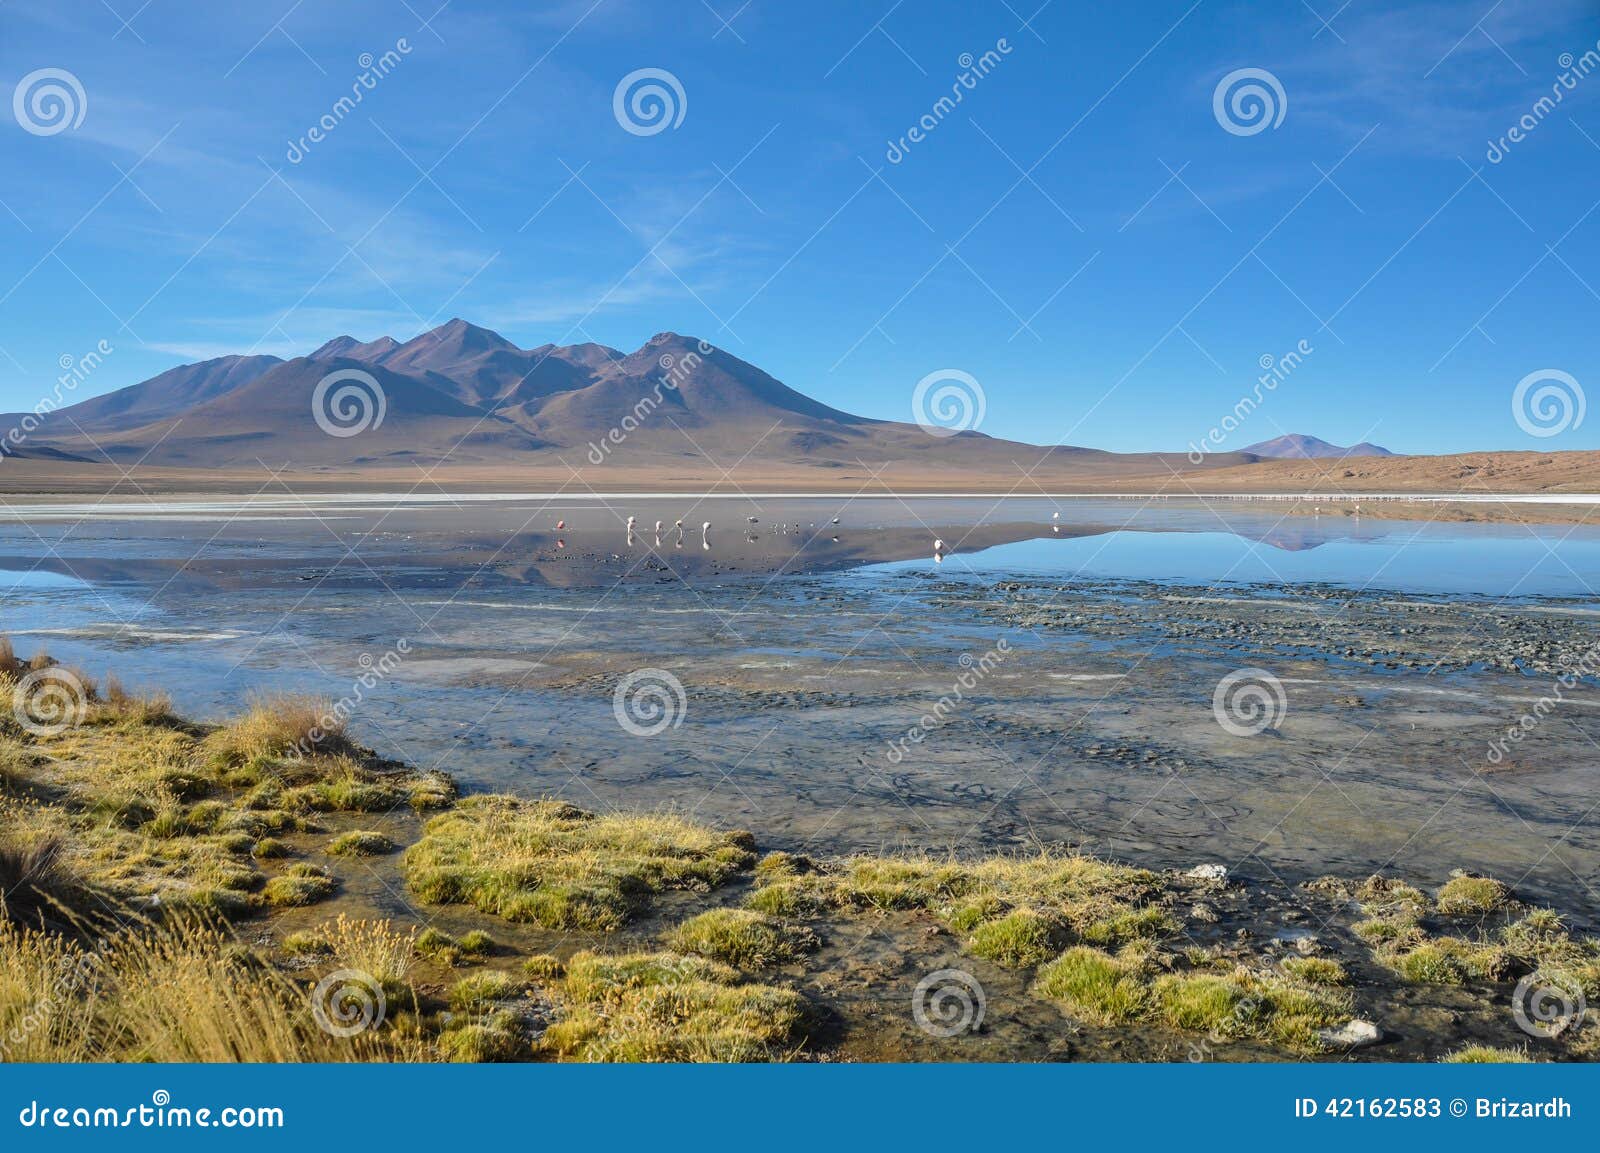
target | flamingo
[
  {"x": 560, "y": 524},
  {"x": 705, "y": 537}
]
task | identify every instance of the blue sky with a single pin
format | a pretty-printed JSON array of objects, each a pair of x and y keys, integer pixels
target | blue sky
[{"x": 1080, "y": 233}]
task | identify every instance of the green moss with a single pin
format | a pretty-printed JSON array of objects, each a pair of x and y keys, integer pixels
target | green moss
[
  {"x": 494, "y": 1039},
  {"x": 1316, "y": 970},
  {"x": 1093, "y": 986},
  {"x": 1206, "y": 1003},
  {"x": 1429, "y": 964},
  {"x": 349, "y": 793},
  {"x": 481, "y": 989},
  {"x": 663, "y": 1007},
  {"x": 1486, "y": 1055},
  {"x": 543, "y": 967},
  {"x": 1018, "y": 940},
  {"x": 301, "y": 884},
  {"x": 437, "y": 943},
  {"x": 1449, "y": 961},
  {"x": 547, "y": 862},
  {"x": 307, "y": 943},
  {"x": 1125, "y": 925},
  {"x": 1380, "y": 894},
  {"x": 777, "y": 866},
  {"x": 739, "y": 937},
  {"x": 361, "y": 843},
  {"x": 785, "y": 899},
  {"x": 1472, "y": 896},
  {"x": 968, "y": 916}
]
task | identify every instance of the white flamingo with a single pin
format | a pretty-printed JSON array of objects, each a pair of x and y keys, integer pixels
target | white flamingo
[{"x": 705, "y": 535}]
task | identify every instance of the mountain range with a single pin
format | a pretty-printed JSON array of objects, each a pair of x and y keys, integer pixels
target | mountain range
[
  {"x": 464, "y": 400},
  {"x": 464, "y": 396}
]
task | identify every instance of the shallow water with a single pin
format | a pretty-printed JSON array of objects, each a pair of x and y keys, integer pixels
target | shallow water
[{"x": 806, "y": 649}]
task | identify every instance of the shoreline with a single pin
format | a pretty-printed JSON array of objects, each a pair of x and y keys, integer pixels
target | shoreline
[{"x": 501, "y": 928}]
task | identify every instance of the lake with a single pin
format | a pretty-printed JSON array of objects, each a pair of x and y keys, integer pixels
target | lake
[{"x": 794, "y": 644}]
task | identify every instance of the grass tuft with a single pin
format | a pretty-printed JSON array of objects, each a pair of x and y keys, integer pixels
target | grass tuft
[
  {"x": 741, "y": 938},
  {"x": 560, "y": 867}
]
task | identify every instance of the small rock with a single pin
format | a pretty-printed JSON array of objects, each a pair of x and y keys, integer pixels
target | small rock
[
  {"x": 1353, "y": 1034},
  {"x": 1203, "y": 913},
  {"x": 1209, "y": 872}
]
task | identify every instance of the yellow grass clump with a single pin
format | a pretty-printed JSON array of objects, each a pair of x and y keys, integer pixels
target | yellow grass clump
[{"x": 558, "y": 866}]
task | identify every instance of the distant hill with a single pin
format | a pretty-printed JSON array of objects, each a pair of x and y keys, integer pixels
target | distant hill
[
  {"x": 1299, "y": 446},
  {"x": 464, "y": 396}
]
